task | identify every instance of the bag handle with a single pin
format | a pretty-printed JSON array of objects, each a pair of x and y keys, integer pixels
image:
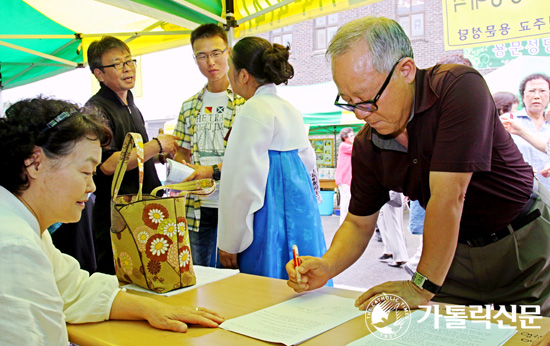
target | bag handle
[
  {"x": 202, "y": 187},
  {"x": 132, "y": 139}
]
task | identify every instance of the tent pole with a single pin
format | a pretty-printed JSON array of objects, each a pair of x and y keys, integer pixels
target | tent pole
[
  {"x": 1, "y": 104},
  {"x": 334, "y": 131},
  {"x": 151, "y": 12},
  {"x": 40, "y": 54},
  {"x": 265, "y": 10},
  {"x": 231, "y": 22},
  {"x": 1, "y": 101}
]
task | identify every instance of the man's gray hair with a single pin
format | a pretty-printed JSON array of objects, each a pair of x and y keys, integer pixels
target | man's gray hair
[{"x": 384, "y": 37}]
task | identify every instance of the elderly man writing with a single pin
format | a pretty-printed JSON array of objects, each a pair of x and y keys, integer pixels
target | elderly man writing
[{"x": 435, "y": 135}]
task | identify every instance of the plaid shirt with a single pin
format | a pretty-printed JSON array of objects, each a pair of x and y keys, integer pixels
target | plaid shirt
[{"x": 186, "y": 129}]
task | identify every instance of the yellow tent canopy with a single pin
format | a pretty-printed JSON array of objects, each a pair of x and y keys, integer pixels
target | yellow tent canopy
[{"x": 40, "y": 38}]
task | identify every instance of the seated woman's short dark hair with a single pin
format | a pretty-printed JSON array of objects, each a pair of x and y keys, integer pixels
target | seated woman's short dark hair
[{"x": 26, "y": 126}]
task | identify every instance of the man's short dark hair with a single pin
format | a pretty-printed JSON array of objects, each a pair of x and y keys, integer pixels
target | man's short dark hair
[
  {"x": 530, "y": 78},
  {"x": 208, "y": 31},
  {"x": 100, "y": 47},
  {"x": 454, "y": 59}
]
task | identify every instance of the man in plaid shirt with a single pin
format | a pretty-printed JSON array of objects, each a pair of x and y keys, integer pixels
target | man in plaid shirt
[{"x": 203, "y": 124}]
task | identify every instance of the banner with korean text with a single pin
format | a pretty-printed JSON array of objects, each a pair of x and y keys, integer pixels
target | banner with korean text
[
  {"x": 475, "y": 23},
  {"x": 500, "y": 54}
]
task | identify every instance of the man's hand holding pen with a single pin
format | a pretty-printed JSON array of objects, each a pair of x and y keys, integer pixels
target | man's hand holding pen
[{"x": 314, "y": 273}]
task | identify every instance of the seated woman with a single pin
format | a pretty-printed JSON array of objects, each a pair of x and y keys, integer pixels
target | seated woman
[
  {"x": 50, "y": 150},
  {"x": 267, "y": 201}
]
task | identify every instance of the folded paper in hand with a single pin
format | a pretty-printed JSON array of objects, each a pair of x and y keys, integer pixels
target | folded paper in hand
[{"x": 176, "y": 172}]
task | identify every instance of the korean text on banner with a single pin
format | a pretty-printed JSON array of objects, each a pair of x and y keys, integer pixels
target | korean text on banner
[{"x": 474, "y": 23}]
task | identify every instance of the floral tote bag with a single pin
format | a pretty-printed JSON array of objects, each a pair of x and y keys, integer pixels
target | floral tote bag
[{"x": 149, "y": 234}]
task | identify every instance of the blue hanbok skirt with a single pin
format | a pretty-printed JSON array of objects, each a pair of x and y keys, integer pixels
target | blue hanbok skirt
[{"x": 290, "y": 215}]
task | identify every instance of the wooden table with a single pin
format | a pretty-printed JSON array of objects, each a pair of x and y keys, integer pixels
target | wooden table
[{"x": 232, "y": 297}]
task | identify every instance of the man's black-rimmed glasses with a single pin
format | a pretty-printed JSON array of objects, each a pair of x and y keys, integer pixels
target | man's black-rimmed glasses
[
  {"x": 370, "y": 105},
  {"x": 120, "y": 65}
]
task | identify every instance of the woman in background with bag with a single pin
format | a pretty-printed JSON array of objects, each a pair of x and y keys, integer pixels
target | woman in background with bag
[
  {"x": 267, "y": 201},
  {"x": 50, "y": 150}
]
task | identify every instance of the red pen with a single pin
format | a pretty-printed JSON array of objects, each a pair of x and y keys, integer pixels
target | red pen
[{"x": 296, "y": 262}]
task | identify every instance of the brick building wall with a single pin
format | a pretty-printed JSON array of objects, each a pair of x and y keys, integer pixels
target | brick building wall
[{"x": 311, "y": 66}]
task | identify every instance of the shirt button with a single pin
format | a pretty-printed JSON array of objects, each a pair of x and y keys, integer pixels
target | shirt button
[{"x": 415, "y": 161}]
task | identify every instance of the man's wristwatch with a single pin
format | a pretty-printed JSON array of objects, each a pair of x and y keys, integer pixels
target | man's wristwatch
[
  {"x": 423, "y": 282},
  {"x": 217, "y": 173}
]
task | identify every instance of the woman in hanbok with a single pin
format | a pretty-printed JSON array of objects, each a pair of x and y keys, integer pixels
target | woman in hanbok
[{"x": 267, "y": 200}]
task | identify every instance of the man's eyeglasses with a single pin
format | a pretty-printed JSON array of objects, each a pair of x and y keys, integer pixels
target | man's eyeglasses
[
  {"x": 215, "y": 54},
  {"x": 119, "y": 66},
  {"x": 370, "y": 105}
]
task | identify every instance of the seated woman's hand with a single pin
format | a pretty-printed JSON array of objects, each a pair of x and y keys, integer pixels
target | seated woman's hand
[
  {"x": 176, "y": 317},
  {"x": 161, "y": 315}
]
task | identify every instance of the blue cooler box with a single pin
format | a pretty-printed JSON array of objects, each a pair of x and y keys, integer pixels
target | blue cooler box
[{"x": 327, "y": 206}]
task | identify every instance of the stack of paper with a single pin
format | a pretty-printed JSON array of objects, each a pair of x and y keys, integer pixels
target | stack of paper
[
  {"x": 295, "y": 320},
  {"x": 204, "y": 276}
]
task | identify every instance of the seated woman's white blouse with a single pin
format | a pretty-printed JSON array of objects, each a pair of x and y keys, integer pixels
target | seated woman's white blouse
[
  {"x": 41, "y": 288},
  {"x": 265, "y": 122}
]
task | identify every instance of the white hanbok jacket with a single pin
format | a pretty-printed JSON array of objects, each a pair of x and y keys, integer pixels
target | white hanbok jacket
[{"x": 265, "y": 122}]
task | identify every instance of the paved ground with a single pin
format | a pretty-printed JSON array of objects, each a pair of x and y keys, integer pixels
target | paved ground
[{"x": 368, "y": 271}]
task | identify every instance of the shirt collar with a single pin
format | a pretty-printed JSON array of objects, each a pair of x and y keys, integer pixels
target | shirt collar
[
  {"x": 230, "y": 93},
  {"x": 266, "y": 89},
  {"x": 384, "y": 142},
  {"x": 522, "y": 113},
  {"x": 424, "y": 98},
  {"x": 10, "y": 202},
  {"x": 106, "y": 92},
  {"x": 424, "y": 94}
]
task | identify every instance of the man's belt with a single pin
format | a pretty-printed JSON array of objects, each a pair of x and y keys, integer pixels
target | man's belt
[{"x": 525, "y": 217}]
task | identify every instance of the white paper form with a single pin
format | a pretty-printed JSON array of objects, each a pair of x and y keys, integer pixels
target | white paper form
[
  {"x": 425, "y": 334},
  {"x": 205, "y": 275},
  {"x": 176, "y": 172},
  {"x": 295, "y": 320}
]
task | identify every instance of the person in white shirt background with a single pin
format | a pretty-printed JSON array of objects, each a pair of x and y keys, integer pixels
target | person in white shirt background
[{"x": 529, "y": 125}]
